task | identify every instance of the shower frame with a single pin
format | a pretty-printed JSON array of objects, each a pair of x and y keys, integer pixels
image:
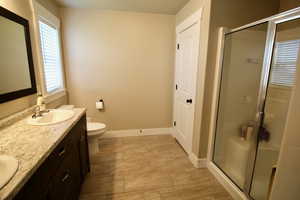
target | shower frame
[{"x": 272, "y": 21}]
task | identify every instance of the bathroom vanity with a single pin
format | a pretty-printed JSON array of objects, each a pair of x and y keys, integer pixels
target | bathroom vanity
[
  {"x": 61, "y": 174},
  {"x": 53, "y": 160}
]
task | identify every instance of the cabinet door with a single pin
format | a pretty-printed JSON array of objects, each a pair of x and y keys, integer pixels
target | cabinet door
[
  {"x": 76, "y": 180},
  {"x": 66, "y": 183},
  {"x": 80, "y": 131},
  {"x": 37, "y": 186},
  {"x": 83, "y": 150}
]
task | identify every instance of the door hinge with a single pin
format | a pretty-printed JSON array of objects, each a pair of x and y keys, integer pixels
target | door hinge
[
  {"x": 176, "y": 87},
  {"x": 178, "y": 47},
  {"x": 174, "y": 123}
]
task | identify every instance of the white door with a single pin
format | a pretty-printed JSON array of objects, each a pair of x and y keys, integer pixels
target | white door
[{"x": 185, "y": 82}]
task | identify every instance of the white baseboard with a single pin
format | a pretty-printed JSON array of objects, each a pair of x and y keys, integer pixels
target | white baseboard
[
  {"x": 232, "y": 189},
  {"x": 197, "y": 162},
  {"x": 138, "y": 132}
]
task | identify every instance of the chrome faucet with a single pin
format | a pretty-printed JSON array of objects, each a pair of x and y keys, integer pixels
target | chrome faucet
[{"x": 38, "y": 112}]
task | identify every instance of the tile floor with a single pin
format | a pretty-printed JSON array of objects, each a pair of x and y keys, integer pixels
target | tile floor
[{"x": 147, "y": 168}]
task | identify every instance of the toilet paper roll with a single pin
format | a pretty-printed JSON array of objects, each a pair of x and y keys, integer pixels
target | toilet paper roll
[{"x": 99, "y": 105}]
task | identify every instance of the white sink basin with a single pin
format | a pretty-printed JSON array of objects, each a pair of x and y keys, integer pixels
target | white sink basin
[
  {"x": 53, "y": 117},
  {"x": 8, "y": 168}
]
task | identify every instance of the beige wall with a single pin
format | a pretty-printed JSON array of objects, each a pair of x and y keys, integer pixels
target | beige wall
[
  {"x": 230, "y": 13},
  {"x": 190, "y": 8},
  {"x": 51, "y": 6},
  {"x": 288, "y": 4},
  {"x": 22, "y": 8},
  {"x": 125, "y": 58}
]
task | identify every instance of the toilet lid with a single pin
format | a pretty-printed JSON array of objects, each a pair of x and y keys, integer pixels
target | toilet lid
[{"x": 94, "y": 126}]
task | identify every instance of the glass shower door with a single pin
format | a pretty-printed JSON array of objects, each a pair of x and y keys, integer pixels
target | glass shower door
[
  {"x": 285, "y": 61},
  {"x": 237, "y": 120}
]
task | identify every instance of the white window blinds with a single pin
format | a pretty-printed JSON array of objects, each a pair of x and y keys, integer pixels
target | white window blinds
[
  {"x": 284, "y": 64},
  {"x": 51, "y": 57}
]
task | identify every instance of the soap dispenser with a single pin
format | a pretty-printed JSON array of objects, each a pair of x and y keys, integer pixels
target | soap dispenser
[{"x": 40, "y": 102}]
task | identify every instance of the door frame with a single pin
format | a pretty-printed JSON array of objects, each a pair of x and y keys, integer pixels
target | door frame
[
  {"x": 219, "y": 174},
  {"x": 192, "y": 20}
]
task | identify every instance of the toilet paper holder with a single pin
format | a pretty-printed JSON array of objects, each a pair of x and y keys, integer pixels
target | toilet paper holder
[{"x": 100, "y": 104}]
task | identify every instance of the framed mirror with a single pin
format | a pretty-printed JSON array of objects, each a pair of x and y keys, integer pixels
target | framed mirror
[{"x": 17, "y": 77}]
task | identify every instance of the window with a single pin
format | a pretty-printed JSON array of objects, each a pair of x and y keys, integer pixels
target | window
[
  {"x": 284, "y": 64},
  {"x": 47, "y": 30},
  {"x": 51, "y": 57}
]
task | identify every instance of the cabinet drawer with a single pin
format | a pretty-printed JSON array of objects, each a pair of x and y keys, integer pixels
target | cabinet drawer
[
  {"x": 62, "y": 151},
  {"x": 66, "y": 181}
]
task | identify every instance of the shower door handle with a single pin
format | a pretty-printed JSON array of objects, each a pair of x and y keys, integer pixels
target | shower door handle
[{"x": 263, "y": 134}]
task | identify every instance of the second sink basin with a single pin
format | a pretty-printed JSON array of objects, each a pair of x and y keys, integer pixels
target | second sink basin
[
  {"x": 53, "y": 117},
  {"x": 8, "y": 168}
]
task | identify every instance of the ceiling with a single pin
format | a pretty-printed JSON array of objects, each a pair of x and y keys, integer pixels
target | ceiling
[{"x": 152, "y": 6}]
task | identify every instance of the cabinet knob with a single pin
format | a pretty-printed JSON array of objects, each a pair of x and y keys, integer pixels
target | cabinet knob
[
  {"x": 62, "y": 152},
  {"x": 65, "y": 178}
]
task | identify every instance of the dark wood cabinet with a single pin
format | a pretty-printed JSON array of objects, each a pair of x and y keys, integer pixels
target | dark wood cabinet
[
  {"x": 83, "y": 151},
  {"x": 62, "y": 173}
]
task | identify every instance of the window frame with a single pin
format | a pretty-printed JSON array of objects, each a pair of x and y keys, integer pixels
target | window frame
[{"x": 45, "y": 16}]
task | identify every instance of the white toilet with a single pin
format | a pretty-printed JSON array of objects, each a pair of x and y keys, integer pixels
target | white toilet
[{"x": 94, "y": 130}]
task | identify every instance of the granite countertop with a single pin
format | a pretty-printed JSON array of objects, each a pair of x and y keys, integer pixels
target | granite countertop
[{"x": 31, "y": 145}]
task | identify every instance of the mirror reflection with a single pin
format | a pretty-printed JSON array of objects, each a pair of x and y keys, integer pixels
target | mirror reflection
[
  {"x": 17, "y": 78},
  {"x": 14, "y": 67}
]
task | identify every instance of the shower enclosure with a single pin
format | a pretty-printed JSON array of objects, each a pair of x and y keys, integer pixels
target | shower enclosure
[{"x": 259, "y": 63}]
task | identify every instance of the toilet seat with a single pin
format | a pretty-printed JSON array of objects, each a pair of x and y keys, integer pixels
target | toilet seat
[{"x": 95, "y": 128}]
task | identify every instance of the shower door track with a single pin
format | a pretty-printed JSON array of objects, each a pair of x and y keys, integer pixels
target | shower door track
[{"x": 233, "y": 189}]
